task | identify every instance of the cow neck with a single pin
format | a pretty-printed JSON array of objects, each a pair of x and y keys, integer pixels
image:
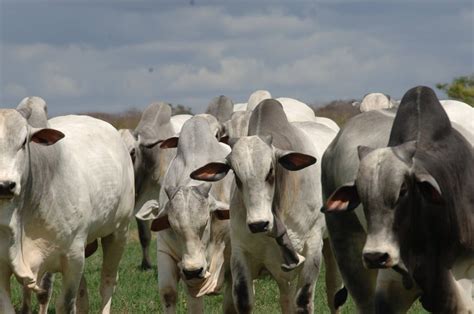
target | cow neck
[{"x": 42, "y": 162}]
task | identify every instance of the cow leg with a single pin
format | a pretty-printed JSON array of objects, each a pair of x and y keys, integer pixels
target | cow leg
[
  {"x": 45, "y": 296},
  {"x": 347, "y": 240},
  {"x": 144, "y": 234},
  {"x": 73, "y": 267},
  {"x": 82, "y": 301},
  {"x": 309, "y": 275},
  {"x": 242, "y": 282},
  {"x": 113, "y": 246},
  {"x": 286, "y": 291},
  {"x": 168, "y": 275},
  {"x": 26, "y": 302},
  {"x": 228, "y": 303},
  {"x": 195, "y": 305},
  {"x": 5, "y": 300},
  {"x": 390, "y": 295},
  {"x": 333, "y": 277}
]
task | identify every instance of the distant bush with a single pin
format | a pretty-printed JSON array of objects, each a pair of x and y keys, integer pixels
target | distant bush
[
  {"x": 130, "y": 118},
  {"x": 337, "y": 110},
  {"x": 124, "y": 120}
]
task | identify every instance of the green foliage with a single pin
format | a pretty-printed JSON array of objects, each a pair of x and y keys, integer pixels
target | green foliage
[{"x": 461, "y": 88}]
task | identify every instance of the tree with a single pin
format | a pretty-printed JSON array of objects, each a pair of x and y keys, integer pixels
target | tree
[{"x": 461, "y": 88}]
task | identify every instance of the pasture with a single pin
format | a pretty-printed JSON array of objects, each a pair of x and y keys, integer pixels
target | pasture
[{"x": 137, "y": 290}]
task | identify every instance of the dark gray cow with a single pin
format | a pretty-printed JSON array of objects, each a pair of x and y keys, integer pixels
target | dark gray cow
[
  {"x": 417, "y": 195},
  {"x": 384, "y": 292},
  {"x": 149, "y": 161},
  {"x": 275, "y": 183},
  {"x": 194, "y": 243}
]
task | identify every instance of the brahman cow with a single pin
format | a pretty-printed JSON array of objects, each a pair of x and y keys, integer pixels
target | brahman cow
[
  {"x": 381, "y": 291},
  {"x": 277, "y": 194},
  {"x": 61, "y": 188},
  {"x": 193, "y": 244}
]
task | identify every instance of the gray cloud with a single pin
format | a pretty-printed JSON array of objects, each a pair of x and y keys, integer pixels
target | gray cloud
[{"x": 106, "y": 56}]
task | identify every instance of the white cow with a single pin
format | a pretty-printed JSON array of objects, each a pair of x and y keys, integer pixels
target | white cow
[
  {"x": 61, "y": 188},
  {"x": 275, "y": 201}
]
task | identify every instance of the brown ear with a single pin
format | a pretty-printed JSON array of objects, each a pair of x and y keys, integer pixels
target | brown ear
[
  {"x": 224, "y": 139},
  {"x": 213, "y": 171},
  {"x": 222, "y": 214},
  {"x": 171, "y": 142},
  {"x": 160, "y": 223},
  {"x": 47, "y": 137},
  {"x": 295, "y": 161},
  {"x": 345, "y": 198}
]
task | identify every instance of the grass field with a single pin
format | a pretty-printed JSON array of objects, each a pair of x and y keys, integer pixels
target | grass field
[{"x": 137, "y": 290}]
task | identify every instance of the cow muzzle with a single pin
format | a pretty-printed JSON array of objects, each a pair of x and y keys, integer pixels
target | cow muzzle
[
  {"x": 260, "y": 226},
  {"x": 193, "y": 273},
  {"x": 7, "y": 189},
  {"x": 377, "y": 260}
]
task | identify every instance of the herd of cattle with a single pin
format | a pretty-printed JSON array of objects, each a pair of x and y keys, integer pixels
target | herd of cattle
[{"x": 387, "y": 201}]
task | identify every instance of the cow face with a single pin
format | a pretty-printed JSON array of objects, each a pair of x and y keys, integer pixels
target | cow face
[
  {"x": 15, "y": 137},
  {"x": 140, "y": 150},
  {"x": 387, "y": 181},
  {"x": 188, "y": 213},
  {"x": 254, "y": 160}
]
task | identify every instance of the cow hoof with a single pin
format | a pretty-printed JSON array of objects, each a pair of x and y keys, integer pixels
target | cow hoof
[
  {"x": 293, "y": 266},
  {"x": 145, "y": 266}
]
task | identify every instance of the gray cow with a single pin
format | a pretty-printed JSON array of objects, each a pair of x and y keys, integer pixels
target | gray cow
[
  {"x": 275, "y": 183},
  {"x": 193, "y": 244},
  {"x": 150, "y": 162},
  {"x": 371, "y": 289},
  {"x": 61, "y": 188},
  {"x": 417, "y": 197}
]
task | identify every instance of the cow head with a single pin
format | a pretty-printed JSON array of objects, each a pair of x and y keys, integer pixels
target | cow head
[
  {"x": 254, "y": 161},
  {"x": 188, "y": 213},
  {"x": 15, "y": 138},
  {"x": 387, "y": 180}
]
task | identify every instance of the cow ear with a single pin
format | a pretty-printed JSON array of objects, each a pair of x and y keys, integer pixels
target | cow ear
[
  {"x": 343, "y": 199},
  {"x": 293, "y": 160},
  {"x": 224, "y": 139},
  {"x": 220, "y": 210},
  {"x": 213, "y": 171},
  {"x": 171, "y": 142},
  {"x": 429, "y": 188},
  {"x": 160, "y": 223},
  {"x": 363, "y": 151},
  {"x": 148, "y": 143},
  {"x": 148, "y": 211},
  {"x": 46, "y": 136}
]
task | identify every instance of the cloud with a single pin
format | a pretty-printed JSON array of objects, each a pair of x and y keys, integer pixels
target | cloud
[{"x": 130, "y": 54}]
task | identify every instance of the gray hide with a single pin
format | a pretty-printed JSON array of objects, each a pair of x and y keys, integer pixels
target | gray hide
[
  {"x": 37, "y": 109},
  {"x": 221, "y": 107},
  {"x": 275, "y": 182},
  {"x": 196, "y": 242},
  {"x": 150, "y": 162}
]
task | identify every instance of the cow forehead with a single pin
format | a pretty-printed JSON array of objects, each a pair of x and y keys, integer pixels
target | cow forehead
[
  {"x": 381, "y": 171},
  {"x": 251, "y": 153},
  {"x": 11, "y": 123}
]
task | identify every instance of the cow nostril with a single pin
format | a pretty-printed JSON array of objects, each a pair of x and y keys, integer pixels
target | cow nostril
[
  {"x": 376, "y": 259},
  {"x": 12, "y": 186},
  {"x": 191, "y": 274},
  {"x": 259, "y": 226}
]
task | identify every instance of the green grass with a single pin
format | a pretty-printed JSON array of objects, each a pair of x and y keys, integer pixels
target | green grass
[{"x": 137, "y": 290}]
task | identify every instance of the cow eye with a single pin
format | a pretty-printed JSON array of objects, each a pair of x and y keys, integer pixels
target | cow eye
[
  {"x": 403, "y": 190},
  {"x": 237, "y": 181},
  {"x": 133, "y": 154},
  {"x": 24, "y": 143},
  {"x": 269, "y": 177}
]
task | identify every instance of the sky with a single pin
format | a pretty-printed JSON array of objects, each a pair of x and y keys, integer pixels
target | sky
[{"x": 114, "y": 55}]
